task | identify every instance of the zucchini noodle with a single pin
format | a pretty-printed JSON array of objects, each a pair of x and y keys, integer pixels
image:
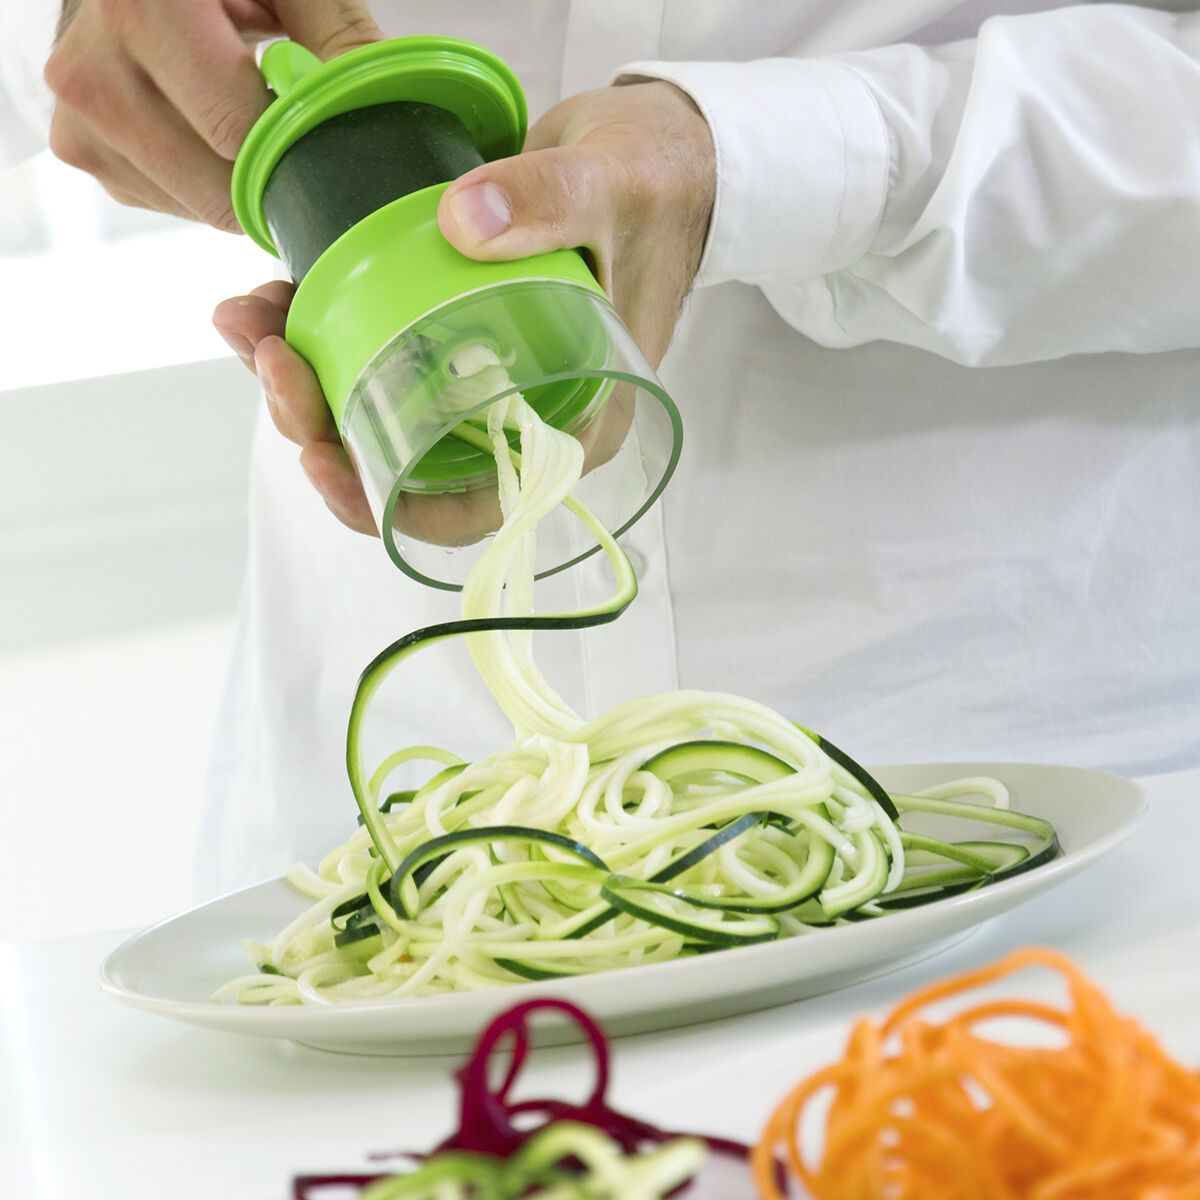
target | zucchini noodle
[
  {"x": 672, "y": 824},
  {"x": 565, "y": 1161}
]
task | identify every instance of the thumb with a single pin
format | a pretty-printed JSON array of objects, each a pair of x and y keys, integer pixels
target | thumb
[
  {"x": 328, "y": 28},
  {"x": 561, "y": 198}
]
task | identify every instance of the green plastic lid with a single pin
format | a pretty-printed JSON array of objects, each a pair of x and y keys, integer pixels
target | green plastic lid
[{"x": 461, "y": 77}]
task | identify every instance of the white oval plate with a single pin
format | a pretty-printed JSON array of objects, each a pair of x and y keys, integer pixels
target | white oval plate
[{"x": 174, "y": 967}]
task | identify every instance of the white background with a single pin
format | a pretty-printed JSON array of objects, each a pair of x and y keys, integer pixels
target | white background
[{"x": 122, "y": 512}]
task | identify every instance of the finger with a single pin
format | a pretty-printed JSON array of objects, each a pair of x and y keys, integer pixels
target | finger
[
  {"x": 329, "y": 28},
  {"x": 552, "y": 199},
  {"x": 448, "y": 518},
  {"x": 119, "y": 114},
  {"x": 243, "y": 321},
  {"x": 279, "y": 292},
  {"x": 169, "y": 152},
  {"x": 329, "y": 469},
  {"x": 75, "y": 145},
  {"x": 116, "y": 106},
  {"x": 253, "y": 16},
  {"x": 147, "y": 196},
  {"x": 293, "y": 392},
  {"x": 196, "y": 57}
]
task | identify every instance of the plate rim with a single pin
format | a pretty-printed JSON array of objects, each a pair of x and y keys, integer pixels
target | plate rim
[{"x": 241, "y": 1018}]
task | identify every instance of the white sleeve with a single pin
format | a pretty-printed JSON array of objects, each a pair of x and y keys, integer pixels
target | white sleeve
[
  {"x": 26, "y": 103},
  {"x": 1029, "y": 194}
]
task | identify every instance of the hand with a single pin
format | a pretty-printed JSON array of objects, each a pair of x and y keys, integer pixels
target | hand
[
  {"x": 627, "y": 173},
  {"x": 254, "y": 326},
  {"x": 156, "y": 96}
]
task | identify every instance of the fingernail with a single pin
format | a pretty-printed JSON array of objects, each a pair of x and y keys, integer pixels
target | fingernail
[{"x": 481, "y": 211}]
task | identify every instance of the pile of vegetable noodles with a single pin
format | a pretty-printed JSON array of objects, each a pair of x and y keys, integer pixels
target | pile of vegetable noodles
[
  {"x": 924, "y": 1111},
  {"x": 582, "y": 1151},
  {"x": 1068, "y": 1102},
  {"x": 673, "y": 824}
]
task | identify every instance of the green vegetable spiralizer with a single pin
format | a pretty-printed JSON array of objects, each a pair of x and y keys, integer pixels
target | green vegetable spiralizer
[{"x": 412, "y": 341}]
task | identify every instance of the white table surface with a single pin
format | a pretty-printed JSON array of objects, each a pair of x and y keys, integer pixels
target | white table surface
[{"x": 99, "y": 1101}]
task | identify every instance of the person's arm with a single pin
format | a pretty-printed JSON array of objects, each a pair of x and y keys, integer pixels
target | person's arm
[
  {"x": 26, "y": 35},
  {"x": 1026, "y": 195},
  {"x": 1029, "y": 194}
]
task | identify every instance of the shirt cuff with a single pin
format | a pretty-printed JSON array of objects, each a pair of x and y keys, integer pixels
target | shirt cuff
[{"x": 803, "y": 163}]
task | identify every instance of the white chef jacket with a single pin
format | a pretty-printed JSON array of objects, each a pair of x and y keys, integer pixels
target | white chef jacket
[{"x": 940, "y": 490}]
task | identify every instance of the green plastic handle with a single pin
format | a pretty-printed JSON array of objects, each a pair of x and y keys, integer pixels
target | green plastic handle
[{"x": 285, "y": 64}]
